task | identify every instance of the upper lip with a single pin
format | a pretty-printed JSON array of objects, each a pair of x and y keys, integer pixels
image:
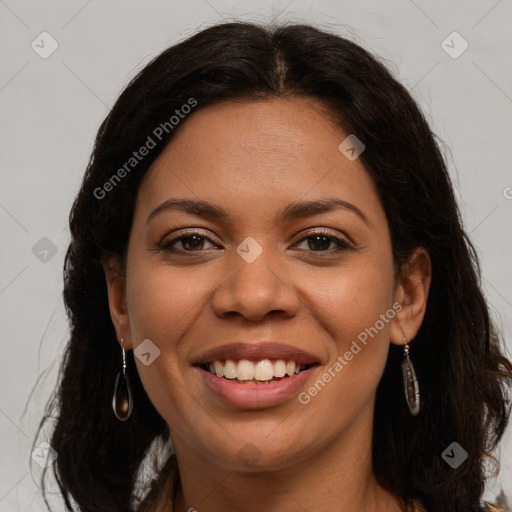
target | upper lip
[{"x": 256, "y": 350}]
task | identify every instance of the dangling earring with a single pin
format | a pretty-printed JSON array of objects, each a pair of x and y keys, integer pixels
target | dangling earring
[
  {"x": 411, "y": 388},
  {"x": 122, "y": 401}
]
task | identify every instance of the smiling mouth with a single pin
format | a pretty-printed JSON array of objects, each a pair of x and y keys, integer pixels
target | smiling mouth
[{"x": 263, "y": 371}]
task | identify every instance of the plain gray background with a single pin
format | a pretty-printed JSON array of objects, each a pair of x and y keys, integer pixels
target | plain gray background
[{"x": 51, "y": 109}]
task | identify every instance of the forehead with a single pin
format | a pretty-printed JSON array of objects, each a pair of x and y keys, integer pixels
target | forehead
[
  {"x": 258, "y": 154},
  {"x": 276, "y": 132}
]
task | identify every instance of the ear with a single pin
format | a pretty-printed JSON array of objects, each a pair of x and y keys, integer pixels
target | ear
[
  {"x": 412, "y": 293},
  {"x": 116, "y": 281}
]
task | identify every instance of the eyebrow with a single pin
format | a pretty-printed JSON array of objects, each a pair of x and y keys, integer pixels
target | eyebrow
[{"x": 296, "y": 210}]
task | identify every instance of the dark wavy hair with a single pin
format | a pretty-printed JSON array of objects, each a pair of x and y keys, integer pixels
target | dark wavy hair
[{"x": 463, "y": 373}]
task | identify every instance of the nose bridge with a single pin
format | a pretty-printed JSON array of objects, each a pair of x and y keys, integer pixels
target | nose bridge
[{"x": 256, "y": 283}]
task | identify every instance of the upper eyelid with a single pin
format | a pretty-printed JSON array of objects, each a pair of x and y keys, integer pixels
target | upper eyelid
[
  {"x": 188, "y": 232},
  {"x": 202, "y": 233}
]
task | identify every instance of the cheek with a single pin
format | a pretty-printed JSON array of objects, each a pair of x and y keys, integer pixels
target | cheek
[
  {"x": 352, "y": 298},
  {"x": 163, "y": 305},
  {"x": 163, "y": 302},
  {"x": 354, "y": 307}
]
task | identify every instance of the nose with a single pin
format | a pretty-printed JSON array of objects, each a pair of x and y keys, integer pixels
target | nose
[{"x": 255, "y": 289}]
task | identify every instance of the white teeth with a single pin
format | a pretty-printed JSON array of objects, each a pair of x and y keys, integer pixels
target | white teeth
[
  {"x": 219, "y": 371},
  {"x": 249, "y": 372},
  {"x": 280, "y": 368},
  {"x": 230, "y": 369},
  {"x": 245, "y": 370},
  {"x": 253, "y": 381},
  {"x": 264, "y": 370}
]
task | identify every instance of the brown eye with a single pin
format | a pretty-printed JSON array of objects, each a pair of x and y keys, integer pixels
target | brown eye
[
  {"x": 193, "y": 242},
  {"x": 321, "y": 242}
]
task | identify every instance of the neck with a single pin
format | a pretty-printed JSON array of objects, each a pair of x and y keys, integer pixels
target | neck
[{"x": 338, "y": 478}]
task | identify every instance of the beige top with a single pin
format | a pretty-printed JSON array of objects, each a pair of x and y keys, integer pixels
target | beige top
[
  {"x": 163, "y": 494},
  {"x": 416, "y": 507}
]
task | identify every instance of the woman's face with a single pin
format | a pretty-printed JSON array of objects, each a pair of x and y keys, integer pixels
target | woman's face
[{"x": 262, "y": 276}]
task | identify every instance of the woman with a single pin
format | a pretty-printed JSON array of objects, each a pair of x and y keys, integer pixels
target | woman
[{"x": 271, "y": 293}]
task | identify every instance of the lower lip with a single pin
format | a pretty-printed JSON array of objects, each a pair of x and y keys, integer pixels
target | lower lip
[{"x": 256, "y": 396}]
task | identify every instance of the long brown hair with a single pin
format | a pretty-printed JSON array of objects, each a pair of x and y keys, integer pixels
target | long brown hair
[{"x": 462, "y": 371}]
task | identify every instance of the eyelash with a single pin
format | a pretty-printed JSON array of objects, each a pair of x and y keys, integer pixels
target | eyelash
[{"x": 342, "y": 245}]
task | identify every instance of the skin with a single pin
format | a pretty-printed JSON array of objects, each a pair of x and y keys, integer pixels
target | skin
[{"x": 253, "y": 159}]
